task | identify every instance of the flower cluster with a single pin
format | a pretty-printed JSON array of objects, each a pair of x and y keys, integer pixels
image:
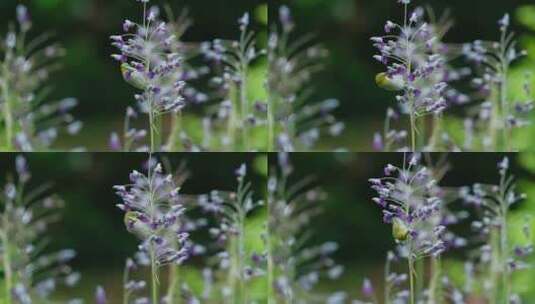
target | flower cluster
[
  {"x": 232, "y": 61},
  {"x": 150, "y": 63},
  {"x": 414, "y": 66},
  {"x": 410, "y": 202},
  {"x": 493, "y": 204},
  {"x": 29, "y": 122},
  {"x": 496, "y": 115},
  {"x": 294, "y": 268},
  {"x": 293, "y": 123},
  {"x": 30, "y": 274},
  {"x": 153, "y": 213},
  {"x": 421, "y": 45},
  {"x": 232, "y": 211}
]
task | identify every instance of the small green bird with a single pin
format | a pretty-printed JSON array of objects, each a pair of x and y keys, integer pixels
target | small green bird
[
  {"x": 395, "y": 83},
  {"x": 135, "y": 226},
  {"x": 400, "y": 231},
  {"x": 133, "y": 76}
]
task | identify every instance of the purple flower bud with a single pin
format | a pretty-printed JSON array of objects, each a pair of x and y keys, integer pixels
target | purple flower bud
[
  {"x": 100, "y": 296},
  {"x": 128, "y": 25},
  {"x": 114, "y": 142},
  {"x": 285, "y": 18},
  {"x": 389, "y": 26},
  {"x": 23, "y": 17},
  {"x": 367, "y": 288},
  {"x": 120, "y": 58},
  {"x": 378, "y": 142}
]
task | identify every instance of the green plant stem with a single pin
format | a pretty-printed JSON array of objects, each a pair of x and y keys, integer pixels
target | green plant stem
[
  {"x": 232, "y": 274},
  {"x": 153, "y": 264},
  {"x": 437, "y": 126},
  {"x": 233, "y": 116},
  {"x": 505, "y": 256},
  {"x": 495, "y": 268},
  {"x": 151, "y": 127},
  {"x": 411, "y": 279},
  {"x": 244, "y": 107},
  {"x": 386, "y": 295},
  {"x": 8, "y": 272},
  {"x": 271, "y": 124},
  {"x": 503, "y": 90},
  {"x": 126, "y": 294},
  {"x": 154, "y": 275},
  {"x": 8, "y": 116},
  {"x": 270, "y": 265},
  {"x": 434, "y": 289},
  {"x": 494, "y": 121},
  {"x": 174, "y": 285},
  {"x": 176, "y": 127},
  {"x": 413, "y": 130}
]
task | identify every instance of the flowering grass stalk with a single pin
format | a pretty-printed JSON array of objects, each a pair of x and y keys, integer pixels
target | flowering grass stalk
[
  {"x": 410, "y": 204},
  {"x": 295, "y": 268},
  {"x": 497, "y": 117},
  {"x": 150, "y": 64},
  {"x": 293, "y": 123},
  {"x": 28, "y": 121},
  {"x": 493, "y": 203},
  {"x": 231, "y": 211},
  {"x": 413, "y": 67},
  {"x": 234, "y": 59},
  {"x": 29, "y": 274},
  {"x": 153, "y": 213}
]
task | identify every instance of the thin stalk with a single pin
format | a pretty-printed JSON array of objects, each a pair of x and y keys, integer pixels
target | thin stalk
[
  {"x": 231, "y": 123},
  {"x": 495, "y": 268},
  {"x": 270, "y": 265},
  {"x": 176, "y": 126},
  {"x": 244, "y": 107},
  {"x": 413, "y": 128},
  {"x": 387, "y": 287},
  {"x": 151, "y": 127},
  {"x": 409, "y": 68},
  {"x": 174, "y": 283},
  {"x": 154, "y": 275},
  {"x": 241, "y": 249},
  {"x": 8, "y": 116},
  {"x": 411, "y": 278},
  {"x": 419, "y": 281},
  {"x": 233, "y": 271},
  {"x": 505, "y": 110},
  {"x": 504, "y": 256},
  {"x": 153, "y": 264},
  {"x": 503, "y": 90},
  {"x": 8, "y": 272},
  {"x": 126, "y": 294},
  {"x": 434, "y": 290},
  {"x": 271, "y": 124},
  {"x": 493, "y": 124},
  {"x": 437, "y": 126}
]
